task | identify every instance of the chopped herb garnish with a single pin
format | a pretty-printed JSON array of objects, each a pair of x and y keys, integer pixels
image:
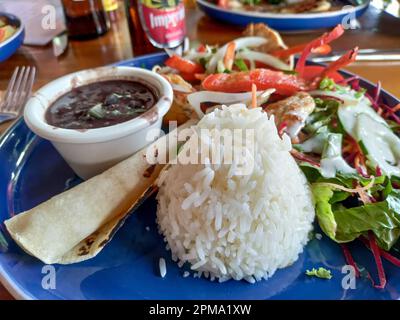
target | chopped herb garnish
[
  {"x": 253, "y": 2},
  {"x": 319, "y": 102},
  {"x": 241, "y": 65},
  {"x": 203, "y": 61},
  {"x": 360, "y": 93},
  {"x": 294, "y": 72},
  {"x": 319, "y": 273},
  {"x": 140, "y": 110},
  {"x": 112, "y": 99},
  {"x": 327, "y": 84},
  {"x": 97, "y": 111},
  {"x": 116, "y": 113}
]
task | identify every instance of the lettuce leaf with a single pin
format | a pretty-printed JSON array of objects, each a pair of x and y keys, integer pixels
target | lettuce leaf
[
  {"x": 343, "y": 224},
  {"x": 320, "y": 273},
  {"x": 313, "y": 174}
]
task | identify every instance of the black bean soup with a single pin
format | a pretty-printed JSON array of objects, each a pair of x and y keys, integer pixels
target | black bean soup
[{"x": 101, "y": 104}]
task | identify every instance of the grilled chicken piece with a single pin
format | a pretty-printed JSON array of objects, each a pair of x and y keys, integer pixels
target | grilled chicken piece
[
  {"x": 307, "y": 6},
  {"x": 292, "y": 112},
  {"x": 275, "y": 41},
  {"x": 180, "y": 110}
]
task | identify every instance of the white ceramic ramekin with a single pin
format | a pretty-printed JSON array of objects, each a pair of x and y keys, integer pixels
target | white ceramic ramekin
[{"x": 91, "y": 151}]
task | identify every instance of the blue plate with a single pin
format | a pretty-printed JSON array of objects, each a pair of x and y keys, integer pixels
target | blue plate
[
  {"x": 31, "y": 171},
  {"x": 8, "y": 47},
  {"x": 283, "y": 21}
]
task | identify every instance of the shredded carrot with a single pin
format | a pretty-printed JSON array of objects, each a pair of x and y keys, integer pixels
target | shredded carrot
[
  {"x": 200, "y": 76},
  {"x": 282, "y": 127},
  {"x": 357, "y": 161},
  {"x": 359, "y": 164},
  {"x": 362, "y": 160},
  {"x": 253, "y": 95},
  {"x": 396, "y": 108},
  {"x": 365, "y": 198},
  {"x": 391, "y": 113},
  {"x": 347, "y": 148},
  {"x": 229, "y": 55},
  {"x": 339, "y": 187},
  {"x": 302, "y": 157}
]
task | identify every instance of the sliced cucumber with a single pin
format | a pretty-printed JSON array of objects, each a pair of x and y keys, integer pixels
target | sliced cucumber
[
  {"x": 317, "y": 142},
  {"x": 332, "y": 160},
  {"x": 348, "y": 113},
  {"x": 381, "y": 144}
]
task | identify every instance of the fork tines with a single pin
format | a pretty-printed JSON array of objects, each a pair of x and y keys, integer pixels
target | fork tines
[{"x": 18, "y": 90}]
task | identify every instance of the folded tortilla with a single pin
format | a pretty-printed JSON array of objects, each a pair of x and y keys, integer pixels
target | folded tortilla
[{"x": 75, "y": 225}]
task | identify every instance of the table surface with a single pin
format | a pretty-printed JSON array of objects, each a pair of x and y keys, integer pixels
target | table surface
[{"x": 378, "y": 31}]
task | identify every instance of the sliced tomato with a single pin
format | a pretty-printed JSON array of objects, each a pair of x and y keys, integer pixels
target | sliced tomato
[
  {"x": 201, "y": 48},
  {"x": 311, "y": 72},
  {"x": 263, "y": 78},
  {"x": 257, "y": 64},
  {"x": 190, "y": 77},
  {"x": 184, "y": 65},
  {"x": 324, "y": 39}
]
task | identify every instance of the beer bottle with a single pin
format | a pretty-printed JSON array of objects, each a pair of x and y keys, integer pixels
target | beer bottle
[
  {"x": 85, "y": 18},
  {"x": 155, "y": 24}
]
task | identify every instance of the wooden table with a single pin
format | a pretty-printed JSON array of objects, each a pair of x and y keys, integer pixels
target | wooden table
[{"x": 115, "y": 46}]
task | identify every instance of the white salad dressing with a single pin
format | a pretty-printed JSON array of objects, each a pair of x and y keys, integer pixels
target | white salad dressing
[
  {"x": 366, "y": 126},
  {"x": 381, "y": 144},
  {"x": 316, "y": 143},
  {"x": 332, "y": 160}
]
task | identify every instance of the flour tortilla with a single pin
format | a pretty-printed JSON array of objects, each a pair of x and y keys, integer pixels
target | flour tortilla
[{"x": 75, "y": 225}]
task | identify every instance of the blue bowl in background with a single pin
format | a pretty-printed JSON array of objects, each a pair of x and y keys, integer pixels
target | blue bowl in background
[
  {"x": 8, "y": 47},
  {"x": 284, "y": 21}
]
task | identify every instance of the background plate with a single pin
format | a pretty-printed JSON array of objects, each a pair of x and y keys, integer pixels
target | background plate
[
  {"x": 282, "y": 22},
  {"x": 31, "y": 171},
  {"x": 8, "y": 47}
]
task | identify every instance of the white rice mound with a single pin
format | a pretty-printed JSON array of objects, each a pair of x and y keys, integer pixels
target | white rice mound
[{"x": 237, "y": 226}]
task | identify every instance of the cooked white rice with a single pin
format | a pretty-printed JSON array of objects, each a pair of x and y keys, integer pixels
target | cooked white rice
[
  {"x": 237, "y": 226},
  {"x": 163, "y": 267}
]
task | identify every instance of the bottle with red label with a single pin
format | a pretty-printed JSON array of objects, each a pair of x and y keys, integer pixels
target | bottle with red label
[{"x": 155, "y": 24}]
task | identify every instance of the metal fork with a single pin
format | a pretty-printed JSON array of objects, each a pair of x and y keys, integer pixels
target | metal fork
[{"x": 17, "y": 93}]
